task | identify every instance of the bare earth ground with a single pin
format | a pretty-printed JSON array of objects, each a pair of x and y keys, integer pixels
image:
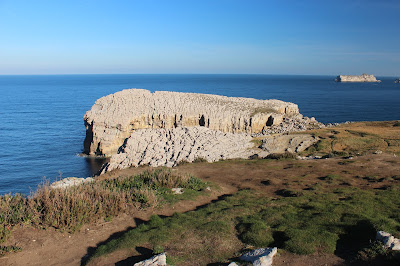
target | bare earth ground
[{"x": 51, "y": 247}]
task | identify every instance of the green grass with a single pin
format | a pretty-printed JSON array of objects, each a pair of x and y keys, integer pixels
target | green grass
[
  {"x": 70, "y": 208},
  {"x": 323, "y": 220},
  {"x": 262, "y": 110}
]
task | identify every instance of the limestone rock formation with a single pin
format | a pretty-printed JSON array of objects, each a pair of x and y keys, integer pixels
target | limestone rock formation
[
  {"x": 113, "y": 118},
  {"x": 360, "y": 78},
  {"x": 288, "y": 143},
  {"x": 168, "y": 147}
]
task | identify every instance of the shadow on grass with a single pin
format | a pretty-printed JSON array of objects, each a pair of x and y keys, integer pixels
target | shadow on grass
[
  {"x": 145, "y": 254},
  {"x": 91, "y": 250},
  {"x": 356, "y": 238}
]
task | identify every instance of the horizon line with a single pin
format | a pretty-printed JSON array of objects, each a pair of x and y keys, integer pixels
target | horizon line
[{"x": 266, "y": 74}]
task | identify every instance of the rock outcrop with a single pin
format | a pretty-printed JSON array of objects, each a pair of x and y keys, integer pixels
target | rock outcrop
[
  {"x": 168, "y": 147},
  {"x": 360, "y": 78},
  {"x": 70, "y": 182},
  {"x": 287, "y": 143},
  {"x": 113, "y": 118},
  {"x": 389, "y": 241},
  {"x": 261, "y": 256}
]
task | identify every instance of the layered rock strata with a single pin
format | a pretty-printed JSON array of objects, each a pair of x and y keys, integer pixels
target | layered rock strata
[
  {"x": 168, "y": 147},
  {"x": 113, "y": 118},
  {"x": 360, "y": 78}
]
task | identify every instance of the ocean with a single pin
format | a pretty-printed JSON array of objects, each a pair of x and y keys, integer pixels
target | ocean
[{"x": 41, "y": 116}]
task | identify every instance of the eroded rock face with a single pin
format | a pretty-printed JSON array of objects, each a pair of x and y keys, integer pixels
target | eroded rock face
[
  {"x": 113, "y": 118},
  {"x": 360, "y": 78},
  {"x": 167, "y": 147}
]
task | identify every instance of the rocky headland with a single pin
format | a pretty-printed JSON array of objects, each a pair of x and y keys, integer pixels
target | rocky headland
[
  {"x": 136, "y": 127},
  {"x": 360, "y": 78}
]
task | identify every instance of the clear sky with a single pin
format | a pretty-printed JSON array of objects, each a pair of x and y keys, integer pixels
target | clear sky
[{"x": 200, "y": 36}]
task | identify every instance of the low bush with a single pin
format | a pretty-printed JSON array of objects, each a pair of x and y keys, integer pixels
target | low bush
[{"x": 281, "y": 156}]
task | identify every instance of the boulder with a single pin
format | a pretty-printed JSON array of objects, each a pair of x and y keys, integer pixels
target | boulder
[
  {"x": 389, "y": 241},
  {"x": 261, "y": 256},
  {"x": 113, "y": 118}
]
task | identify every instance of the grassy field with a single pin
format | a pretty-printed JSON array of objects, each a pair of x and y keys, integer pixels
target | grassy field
[
  {"x": 341, "y": 221},
  {"x": 357, "y": 138}
]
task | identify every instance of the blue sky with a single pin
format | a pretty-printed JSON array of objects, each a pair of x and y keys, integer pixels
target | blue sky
[{"x": 208, "y": 36}]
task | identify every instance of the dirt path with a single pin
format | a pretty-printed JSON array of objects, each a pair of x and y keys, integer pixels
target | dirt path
[{"x": 51, "y": 247}]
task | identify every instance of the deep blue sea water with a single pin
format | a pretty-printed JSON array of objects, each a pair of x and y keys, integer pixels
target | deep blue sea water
[{"x": 41, "y": 117}]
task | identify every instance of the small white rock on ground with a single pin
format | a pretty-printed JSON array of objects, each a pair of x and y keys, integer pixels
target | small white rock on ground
[
  {"x": 261, "y": 256},
  {"x": 389, "y": 241},
  {"x": 157, "y": 260},
  {"x": 168, "y": 147}
]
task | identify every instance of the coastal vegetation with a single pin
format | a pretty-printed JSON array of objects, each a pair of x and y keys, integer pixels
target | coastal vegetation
[{"x": 69, "y": 208}]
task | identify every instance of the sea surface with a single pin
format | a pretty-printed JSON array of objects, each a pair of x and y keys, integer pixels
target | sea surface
[{"x": 41, "y": 116}]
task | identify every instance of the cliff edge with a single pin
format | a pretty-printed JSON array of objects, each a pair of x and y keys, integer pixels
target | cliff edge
[
  {"x": 360, "y": 78},
  {"x": 113, "y": 118}
]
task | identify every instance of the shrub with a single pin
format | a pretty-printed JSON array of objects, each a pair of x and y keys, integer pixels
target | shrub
[{"x": 281, "y": 156}]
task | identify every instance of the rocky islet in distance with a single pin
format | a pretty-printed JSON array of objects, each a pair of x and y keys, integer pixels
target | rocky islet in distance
[
  {"x": 355, "y": 78},
  {"x": 137, "y": 127}
]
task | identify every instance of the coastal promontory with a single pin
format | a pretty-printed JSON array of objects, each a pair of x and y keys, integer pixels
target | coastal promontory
[
  {"x": 114, "y": 118},
  {"x": 355, "y": 78}
]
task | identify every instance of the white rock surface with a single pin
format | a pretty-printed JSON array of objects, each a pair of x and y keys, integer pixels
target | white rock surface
[
  {"x": 167, "y": 147},
  {"x": 288, "y": 143},
  {"x": 261, "y": 256},
  {"x": 177, "y": 190},
  {"x": 360, "y": 78},
  {"x": 157, "y": 260},
  {"x": 70, "y": 181},
  {"x": 115, "y": 117},
  {"x": 389, "y": 241}
]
